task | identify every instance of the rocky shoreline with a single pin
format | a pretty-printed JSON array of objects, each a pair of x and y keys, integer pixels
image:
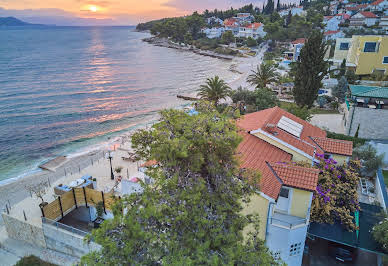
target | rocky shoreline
[{"x": 164, "y": 42}]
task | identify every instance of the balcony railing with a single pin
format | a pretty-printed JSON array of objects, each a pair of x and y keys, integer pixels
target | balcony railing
[
  {"x": 287, "y": 221},
  {"x": 64, "y": 227}
]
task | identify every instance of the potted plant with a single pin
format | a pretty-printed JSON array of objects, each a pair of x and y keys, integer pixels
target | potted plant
[
  {"x": 94, "y": 180},
  {"x": 118, "y": 169},
  {"x": 38, "y": 190}
]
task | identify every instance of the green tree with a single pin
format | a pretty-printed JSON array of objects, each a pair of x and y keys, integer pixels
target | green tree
[
  {"x": 265, "y": 98},
  {"x": 228, "y": 37},
  {"x": 335, "y": 198},
  {"x": 289, "y": 18},
  {"x": 251, "y": 42},
  {"x": 342, "y": 70},
  {"x": 191, "y": 215},
  {"x": 310, "y": 71},
  {"x": 351, "y": 76},
  {"x": 380, "y": 233},
  {"x": 341, "y": 89},
  {"x": 370, "y": 160},
  {"x": 243, "y": 95},
  {"x": 265, "y": 74},
  {"x": 214, "y": 90},
  {"x": 302, "y": 113}
]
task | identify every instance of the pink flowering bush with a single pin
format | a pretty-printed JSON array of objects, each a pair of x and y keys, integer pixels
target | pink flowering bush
[{"x": 335, "y": 198}]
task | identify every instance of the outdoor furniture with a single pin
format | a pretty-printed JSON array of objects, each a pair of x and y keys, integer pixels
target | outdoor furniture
[
  {"x": 77, "y": 183},
  {"x": 61, "y": 189},
  {"x": 371, "y": 106},
  {"x": 360, "y": 102}
]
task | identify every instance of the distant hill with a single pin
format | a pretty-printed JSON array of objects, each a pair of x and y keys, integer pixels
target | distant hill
[{"x": 11, "y": 21}]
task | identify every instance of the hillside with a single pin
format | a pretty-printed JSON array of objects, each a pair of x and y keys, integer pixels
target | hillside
[{"x": 11, "y": 21}]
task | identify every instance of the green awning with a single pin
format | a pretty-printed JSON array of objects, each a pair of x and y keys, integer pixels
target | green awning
[
  {"x": 368, "y": 217},
  {"x": 369, "y": 91}
]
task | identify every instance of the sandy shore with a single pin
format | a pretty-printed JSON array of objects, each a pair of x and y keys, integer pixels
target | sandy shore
[{"x": 13, "y": 191}]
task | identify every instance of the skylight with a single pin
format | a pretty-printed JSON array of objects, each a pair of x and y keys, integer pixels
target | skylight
[{"x": 290, "y": 126}]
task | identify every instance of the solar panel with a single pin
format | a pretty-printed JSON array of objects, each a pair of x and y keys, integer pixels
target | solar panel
[{"x": 290, "y": 126}]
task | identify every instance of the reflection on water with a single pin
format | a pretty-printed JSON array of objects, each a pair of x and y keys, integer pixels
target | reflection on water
[{"x": 62, "y": 89}]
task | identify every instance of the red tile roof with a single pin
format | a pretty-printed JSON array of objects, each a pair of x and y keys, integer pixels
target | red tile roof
[
  {"x": 335, "y": 146},
  {"x": 296, "y": 176},
  {"x": 375, "y": 3},
  {"x": 330, "y": 32},
  {"x": 368, "y": 14},
  {"x": 253, "y": 154},
  {"x": 344, "y": 15},
  {"x": 230, "y": 22},
  {"x": 298, "y": 41},
  {"x": 254, "y": 25}
]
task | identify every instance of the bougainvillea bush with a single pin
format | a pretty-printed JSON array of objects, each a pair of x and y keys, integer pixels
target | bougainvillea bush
[{"x": 335, "y": 198}]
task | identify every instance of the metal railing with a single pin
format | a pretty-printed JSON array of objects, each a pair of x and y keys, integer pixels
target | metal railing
[
  {"x": 288, "y": 224},
  {"x": 64, "y": 227}
]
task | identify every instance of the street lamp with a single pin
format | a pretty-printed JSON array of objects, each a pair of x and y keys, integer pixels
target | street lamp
[{"x": 110, "y": 157}]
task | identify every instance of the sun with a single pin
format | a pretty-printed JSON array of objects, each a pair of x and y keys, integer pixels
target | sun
[{"x": 93, "y": 8}]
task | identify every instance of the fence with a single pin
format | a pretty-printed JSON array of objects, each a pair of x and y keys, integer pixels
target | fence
[
  {"x": 64, "y": 227},
  {"x": 75, "y": 198}
]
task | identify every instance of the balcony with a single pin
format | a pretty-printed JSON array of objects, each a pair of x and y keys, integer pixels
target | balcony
[{"x": 287, "y": 221}]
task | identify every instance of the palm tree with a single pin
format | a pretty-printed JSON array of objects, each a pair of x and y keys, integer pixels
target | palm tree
[
  {"x": 214, "y": 90},
  {"x": 264, "y": 75}
]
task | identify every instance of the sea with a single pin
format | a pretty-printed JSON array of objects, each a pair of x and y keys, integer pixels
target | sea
[{"x": 67, "y": 90}]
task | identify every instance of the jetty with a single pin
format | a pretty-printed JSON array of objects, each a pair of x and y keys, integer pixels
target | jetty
[{"x": 53, "y": 164}]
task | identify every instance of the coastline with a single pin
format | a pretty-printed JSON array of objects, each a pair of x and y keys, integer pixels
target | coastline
[{"x": 12, "y": 190}]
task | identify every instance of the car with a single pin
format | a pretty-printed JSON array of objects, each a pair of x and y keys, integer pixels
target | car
[{"x": 345, "y": 254}]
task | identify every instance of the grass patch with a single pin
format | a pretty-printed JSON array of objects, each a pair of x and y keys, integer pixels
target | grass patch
[
  {"x": 313, "y": 111},
  {"x": 33, "y": 261},
  {"x": 385, "y": 174}
]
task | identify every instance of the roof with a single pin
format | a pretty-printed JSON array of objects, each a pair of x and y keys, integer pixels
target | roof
[
  {"x": 375, "y": 3},
  {"x": 368, "y": 14},
  {"x": 331, "y": 32},
  {"x": 261, "y": 120},
  {"x": 344, "y": 15},
  {"x": 335, "y": 146},
  {"x": 296, "y": 176},
  {"x": 254, "y": 25},
  {"x": 369, "y": 91},
  {"x": 300, "y": 40},
  {"x": 230, "y": 22},
  {"x": 149, "y": 163},
  {"x": 253, "y": 154}
]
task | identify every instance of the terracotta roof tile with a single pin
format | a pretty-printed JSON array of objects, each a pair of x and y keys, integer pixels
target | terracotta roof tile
[
  {"x": 296, "y": 176},
  {"x": 336, "y": 146},
  {"x": 368, "y": 14},
  {"x": 375, "y": 3},
  {"x": 300, "y": 40},
  {"x": 253, "y": 154}
]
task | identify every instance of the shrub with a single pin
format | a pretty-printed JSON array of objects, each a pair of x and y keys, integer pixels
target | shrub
[
  {"x": 370, "y": 161},
  {"x": 32, "y": 261},
  {"x": 356, "y": 141},
  {"x": 380, "y": 233}
]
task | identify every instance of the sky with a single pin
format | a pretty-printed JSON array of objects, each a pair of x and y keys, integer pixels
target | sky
[{"x": 109, "y": 12}]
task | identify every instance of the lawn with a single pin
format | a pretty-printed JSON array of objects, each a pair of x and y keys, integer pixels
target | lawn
[{"x": 385, "y": 174}]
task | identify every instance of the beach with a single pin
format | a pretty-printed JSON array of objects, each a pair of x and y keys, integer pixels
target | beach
[{"x": 93, "y": 162}]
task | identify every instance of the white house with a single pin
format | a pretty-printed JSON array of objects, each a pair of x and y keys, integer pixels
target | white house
[
  {"x": 384, "y": 23},
  {"x": 379, "y": 5},
  {"x": 233, "y": 25},
  {"x": 297, "y": 11},
  {"x": 254, "y": 30},
  {"x": 215, "y": 32},
  {"x": 244, "y": 17},
  {"x": 363, "y": 18},
  {"x": 333, "y": 35},
  {"x": 215, "y": 20},
  {"x": 332, "y": 23}
]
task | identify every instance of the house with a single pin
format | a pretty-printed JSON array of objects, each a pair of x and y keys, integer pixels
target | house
[
  {"x": 364, "y": 54},
  {"x": 331, "y": 23},
  {"x": 333, "y": 35},
  {"x": 244, "y": 17},
  {"x": 368, "y": 112},
  {"x": 379, "y": 5},
  {"x": 296, "y": 47},
  {"x": 253, "y": 30},
  {"x": 363, "y": 18},
  {"x": 384, "y": 23},
  {"x": 214, "y": 20},
  {"x": 215, "y": 32},
  {"x": 353, "y": 9},
  {"x": 273, "y": 142},
  {"x": 297, "y": 11},
  {"x": 233, "y": 25}
]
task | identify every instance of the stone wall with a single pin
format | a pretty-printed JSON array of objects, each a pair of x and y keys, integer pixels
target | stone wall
[
  {"x": 373, "y": 123},
  {"x": 24, "y": 231},
  {"x": 67, "y": 242}
]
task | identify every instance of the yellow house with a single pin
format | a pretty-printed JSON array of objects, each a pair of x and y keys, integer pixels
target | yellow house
[
  {"x": 273, "y": 140},
  {"x": 365, "y": 54}
]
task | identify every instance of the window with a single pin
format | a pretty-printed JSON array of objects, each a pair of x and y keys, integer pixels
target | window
[
  {"x": 344, "y": 46},
  {"x": 385, "y": 60},
  {"x": 295, "y": 249},
  {"x": 370, "y": 47},
  {"x": 276, "y": 256},
  {"x": 284, "y": 193}
]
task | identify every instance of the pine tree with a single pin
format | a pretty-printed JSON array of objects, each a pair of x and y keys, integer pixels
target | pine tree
[
  {"x": 309, "y": 72},
  {"x": 289, "y": 18},
  {"x": 342, "y": 69},
  {"x": 340, "y": 90},
  {"x": 278, "y": 6}
]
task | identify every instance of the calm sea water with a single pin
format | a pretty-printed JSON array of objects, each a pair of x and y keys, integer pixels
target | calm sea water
[{"x": 63, "y": 89}]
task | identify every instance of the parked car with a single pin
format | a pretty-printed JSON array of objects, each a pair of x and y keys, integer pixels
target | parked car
[{"x": 342, "y": 253}]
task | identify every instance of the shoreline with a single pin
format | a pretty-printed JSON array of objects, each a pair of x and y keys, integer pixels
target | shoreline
[{"x": 12, "y": 190}]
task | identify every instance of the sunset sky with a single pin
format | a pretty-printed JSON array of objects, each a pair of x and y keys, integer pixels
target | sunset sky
[{"x": 109, "y": 12}]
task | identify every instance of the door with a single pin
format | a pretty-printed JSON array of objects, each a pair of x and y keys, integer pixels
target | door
[{"x": 283, "y": 200}]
